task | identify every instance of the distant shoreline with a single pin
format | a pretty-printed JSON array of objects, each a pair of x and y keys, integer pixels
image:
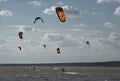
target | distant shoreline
[{"x": 82, "y": 64}]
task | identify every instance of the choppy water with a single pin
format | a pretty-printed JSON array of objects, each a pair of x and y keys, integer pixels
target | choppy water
[{"x": 53, "y": 73}]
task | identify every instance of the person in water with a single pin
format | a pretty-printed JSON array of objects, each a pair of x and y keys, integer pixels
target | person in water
[{"x": 63, "y": 70}]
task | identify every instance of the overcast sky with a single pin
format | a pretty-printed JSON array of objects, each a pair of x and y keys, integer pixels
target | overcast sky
[{"x": 97, "y": 21}]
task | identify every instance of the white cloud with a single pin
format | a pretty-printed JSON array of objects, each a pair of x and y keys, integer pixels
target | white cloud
[
  {"x": 80, "y": 25},
  {"x": 117, "y": 11},
  {"x": 23, "y": 28},
  {"x": 3, "y": 0},
  {"x": 97, "y": 43},
  {"x": 70, "y": 41},
  {"x": 49, "y": 10},
  {"x": 114, "y": 36},
  {"x": 36, "y": 3},
  {"x": 28, "y": 28},
  {"x": 108, "y": 24},
  {"x": 107, "y": 1},
  {"x": 62, "y": 39},
  {"x": 110, "y": 41},
  {"x": 6, "y": 13},
  {"x": 114, "y": 39},
  {"x": 75, "y": 30},
  {"x": 53, "y": 37},
  {"x": 71, "y": 11}
]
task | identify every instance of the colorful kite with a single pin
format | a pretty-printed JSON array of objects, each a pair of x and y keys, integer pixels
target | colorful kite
[
  {"x": 60, "y": 14},
  {"x": 20, "y": 34}
]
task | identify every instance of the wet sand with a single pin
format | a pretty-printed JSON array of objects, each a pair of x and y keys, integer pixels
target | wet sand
[{"x": 56, "y": 73}]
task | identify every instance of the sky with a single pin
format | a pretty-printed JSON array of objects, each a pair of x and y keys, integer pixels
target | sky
[{"x": 96, "y": 21}]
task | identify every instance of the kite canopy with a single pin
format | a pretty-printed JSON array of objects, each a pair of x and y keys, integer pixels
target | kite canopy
[
  {"x": 44, "y": 45},
  {"x": 37, "y": 19},
  {"x": 20, "y": 34},
  {"x": 19, "y": 48},
  {"x": 60, "y": 14},
  {"x": 87, "y": 42},
  {"x": 58, "y": 50}
]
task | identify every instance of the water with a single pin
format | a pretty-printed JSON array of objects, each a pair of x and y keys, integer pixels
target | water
[{"x": 55, "y": 73}]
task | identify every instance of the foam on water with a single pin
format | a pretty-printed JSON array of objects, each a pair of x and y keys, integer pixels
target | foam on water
[{"x": 73, "y": 73}]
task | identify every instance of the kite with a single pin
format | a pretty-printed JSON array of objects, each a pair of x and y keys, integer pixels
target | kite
[
  {"x": 20, "y": 35},
  {"x": 87, "y": 42},
  {"x": 58, "y": 50},
  {"x": 44, "y": 45},
  {"x": 37, "y": 19},
  {"x": 19, "y": 48},
  {"x": 60, "y": 14}
]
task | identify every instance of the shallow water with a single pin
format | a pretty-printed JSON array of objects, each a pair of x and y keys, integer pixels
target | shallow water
[{"x": 55, "y": 73}]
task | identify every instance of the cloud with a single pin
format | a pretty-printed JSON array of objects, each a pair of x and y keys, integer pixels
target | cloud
[
  {"x": 97, "y": 43},
  {"x": 108, "y": 24},
  {"x": 76, "y": 30},
  {"x": 6, "y": 13},
  {"x": 114, "y": 36},
  {"x": 61, "y": 39},
  {"x": 36, "y": 3},
  {"x": 70, "y": 41},
  {"x": 70, "y": 11},
  {"x": 107, "y": 1},
  {"x": 3, "y": 0},
  {"x": 50, "y": 10},
  {"x": 53, "y": 37},
  {"x": 114, "y": 39},
  {"x": 117, "y": 11},
  {"x": 80, "y": 25},
  {"x": 28, "y": 28},
  {"x": 23, "y": 28},
  {"x": 110, "y": 41}
]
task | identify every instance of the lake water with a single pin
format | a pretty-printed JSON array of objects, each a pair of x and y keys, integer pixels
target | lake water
[{"x": 56, "y": 73}]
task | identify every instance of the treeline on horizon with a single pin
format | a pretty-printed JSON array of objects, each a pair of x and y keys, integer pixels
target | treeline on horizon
[{"x": 82, "y": 64}]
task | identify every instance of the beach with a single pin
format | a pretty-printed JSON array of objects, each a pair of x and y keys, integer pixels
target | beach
[{"x": 56, "y": 73}]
